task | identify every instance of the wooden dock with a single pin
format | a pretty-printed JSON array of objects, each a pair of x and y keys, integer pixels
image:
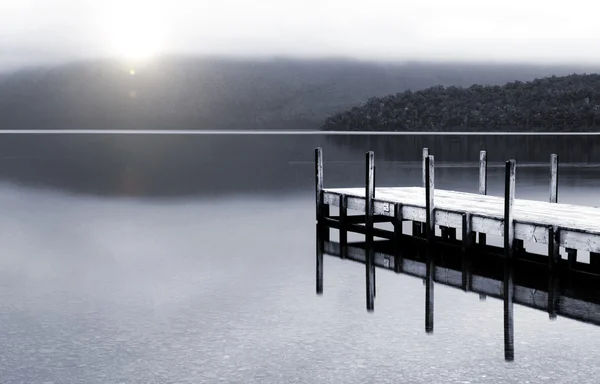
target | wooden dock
[{"x": 438, "y": 215}]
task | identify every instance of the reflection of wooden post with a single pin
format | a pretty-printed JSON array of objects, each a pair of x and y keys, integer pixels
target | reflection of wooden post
[
  {"x": 343, "y": 223},
  {"x": 553, "y": 259},
  {"x": 467, "y": 242},
  {"x": 398, "y": 237},
  {"x": 320, "y": 212},
  {"x": 370, "y": 262},
  {"x": 509, "y": 243},
  {"x": 430, "y": 232}
]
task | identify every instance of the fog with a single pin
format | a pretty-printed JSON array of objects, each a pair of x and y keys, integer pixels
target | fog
[{"x": 52, "y": 31}]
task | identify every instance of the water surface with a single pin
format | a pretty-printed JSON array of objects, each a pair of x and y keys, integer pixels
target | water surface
[{"x": 191, "y": 259}]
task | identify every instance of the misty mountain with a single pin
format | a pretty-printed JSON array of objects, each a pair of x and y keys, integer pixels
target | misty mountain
[
  {"x": 218, "y": 94},
  {"x": 566, "y": 103}
]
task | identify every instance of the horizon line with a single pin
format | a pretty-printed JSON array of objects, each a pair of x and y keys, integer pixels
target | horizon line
[{"x": 278, "y": 132}]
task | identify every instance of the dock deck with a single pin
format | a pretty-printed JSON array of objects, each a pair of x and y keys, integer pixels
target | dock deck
[
  {"x": 575, "y": 228},
  {"x": 579, "y": 226}
]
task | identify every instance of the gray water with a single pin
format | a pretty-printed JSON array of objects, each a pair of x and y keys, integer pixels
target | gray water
[{"x": 207, "y": 281}]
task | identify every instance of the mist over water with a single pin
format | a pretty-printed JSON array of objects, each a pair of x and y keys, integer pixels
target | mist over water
[{"x": 191, "y": 259}]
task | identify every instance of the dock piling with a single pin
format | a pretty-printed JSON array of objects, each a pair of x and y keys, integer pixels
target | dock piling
[
  {"x": 430, "y": 233},
  {"x": 417, "y": 226},
  {"x": 482, "y": 185},
  {"x": 553, "y": 178},
  {"x": 509, "y": 246},
  {"x": 370, "y": 262},
  {"x": 319, "y": 217},
  {"x": 482, "y": 191}
]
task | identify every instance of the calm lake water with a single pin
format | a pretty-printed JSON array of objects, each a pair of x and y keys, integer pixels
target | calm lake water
[{"x": 138, "y": 259}]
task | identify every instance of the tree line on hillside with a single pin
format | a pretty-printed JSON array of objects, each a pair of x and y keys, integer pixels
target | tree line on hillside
[
  {"x": 218, "y": 93},
  {"x": 566, "y": 103}
]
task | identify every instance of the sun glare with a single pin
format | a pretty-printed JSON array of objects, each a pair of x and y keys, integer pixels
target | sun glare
[{"x": 135, "y": 30}]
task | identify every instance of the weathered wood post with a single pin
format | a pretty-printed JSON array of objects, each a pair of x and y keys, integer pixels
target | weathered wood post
[
  {"x": 467, "y": 242},
  {"x": 509, "y": 244},
  {"x": 553, "y": 178},
  {"x": 370, "y": 262},
  {"x": 419, "y": 228},
  {"x": 482, "y": 185},
  {"x": 319, "y": 215},
  {"x": 482, "y": 191},
  {"x": 343, "y": 223},
  {"x": 430, "y": 232},
  {"x": 398, "y": 218}
]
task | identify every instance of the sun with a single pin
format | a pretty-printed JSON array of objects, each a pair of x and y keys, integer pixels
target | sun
[{"x": 135, "y": 29}]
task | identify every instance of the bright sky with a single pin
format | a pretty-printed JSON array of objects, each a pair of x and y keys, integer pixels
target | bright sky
[{"x": 33, "y": 31}]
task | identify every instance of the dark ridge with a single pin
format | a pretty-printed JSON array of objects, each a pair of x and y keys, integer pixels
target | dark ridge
[
  {"x": 219, "y": 93},
  {"x": 555, "y": 104}
]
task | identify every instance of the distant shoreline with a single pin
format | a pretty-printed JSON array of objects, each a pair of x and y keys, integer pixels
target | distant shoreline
[{"x": 285, "y": 132}]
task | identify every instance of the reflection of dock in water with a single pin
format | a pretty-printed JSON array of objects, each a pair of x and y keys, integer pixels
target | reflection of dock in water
[{"x": 434, "y": 252}]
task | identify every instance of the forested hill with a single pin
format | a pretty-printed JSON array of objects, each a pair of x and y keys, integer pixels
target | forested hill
[
  {"x": 220, "y": 93},
  {"x": 566, "y": 103}
]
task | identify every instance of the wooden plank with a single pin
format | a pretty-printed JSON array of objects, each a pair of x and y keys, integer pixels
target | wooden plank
[
  {"x": 509, "y": 236},
  {"x": 370, "y": 195},
  {"x": 430, "y": 232},
  {"x": 359, "y": 219},
  {"x": 553, "y": 178},
  {"x": 357, "y": 228}
]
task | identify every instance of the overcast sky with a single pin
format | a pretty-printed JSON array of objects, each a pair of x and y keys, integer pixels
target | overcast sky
[{"x": 34, "y": 31}]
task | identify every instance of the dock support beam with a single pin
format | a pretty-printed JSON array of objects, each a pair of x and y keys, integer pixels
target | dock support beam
[
  {"x": 509, "y": 244},
  {"x": 343, "y": 223},
  {"x": 430, "y": 232},
  {"x": 320, "y": 213},
  {"x": 370, "y": 262}
]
